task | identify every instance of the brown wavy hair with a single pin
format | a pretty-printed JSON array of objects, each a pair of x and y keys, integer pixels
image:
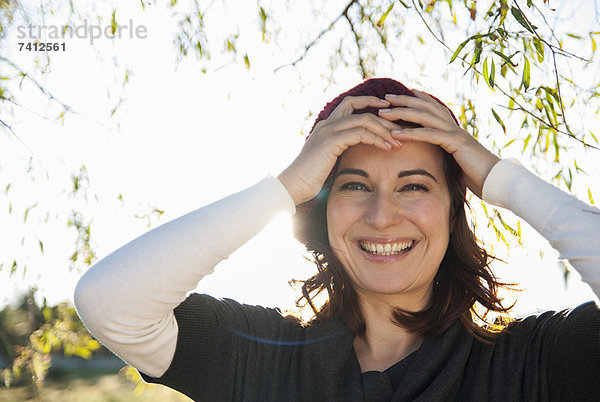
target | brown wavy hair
[{"x": 464, "y": 278}]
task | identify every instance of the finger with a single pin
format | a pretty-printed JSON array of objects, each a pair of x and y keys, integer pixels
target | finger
[
  {"x": 421, "y": 100},
  {"x": 374, "y": 124},
  {"x": 351, "y": 103},
  {"x": 449, "y": 141},
  {"x": 361, "y": 135},
  {"x": 419, "y": 116}
]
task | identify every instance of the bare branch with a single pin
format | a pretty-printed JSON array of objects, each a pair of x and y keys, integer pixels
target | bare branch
[
  {"x": 9, "y": 127},
  {"x": 382, "y": 39},
  {"x": 318, "y": 37},
  {"x": 361, "y": 62},
  {"x": 430, "y": 30},
  {"x": 42, "y": 89}
]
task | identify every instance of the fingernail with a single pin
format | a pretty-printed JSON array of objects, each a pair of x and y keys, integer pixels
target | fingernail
[
  {"x": 387, "y": 144},
  {"x": 396, "y": 132},
  {"x": 398, "y": 143},
  {"x": 385, "y": 110},
  {"x": 391, "y": 96}
]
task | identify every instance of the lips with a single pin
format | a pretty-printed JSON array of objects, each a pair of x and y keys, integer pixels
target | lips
[{"x": 386, "y": 248}]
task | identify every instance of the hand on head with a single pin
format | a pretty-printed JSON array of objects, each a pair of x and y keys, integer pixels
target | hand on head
[
  {"x": 341, "y": 129},
  {"x": 440, "y": 128},
  {"x": 330, "y": 138}
]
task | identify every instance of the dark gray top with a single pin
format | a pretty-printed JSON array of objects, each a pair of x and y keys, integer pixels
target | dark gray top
[{"x": 229, "y": 351}]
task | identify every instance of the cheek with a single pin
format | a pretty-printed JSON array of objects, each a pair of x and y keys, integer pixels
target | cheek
[
  {"x": 340, "y": 215},
  {"x": 433, "y": 218}
]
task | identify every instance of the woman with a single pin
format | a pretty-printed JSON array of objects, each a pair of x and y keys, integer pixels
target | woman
[{"x": 379, "y": 196}]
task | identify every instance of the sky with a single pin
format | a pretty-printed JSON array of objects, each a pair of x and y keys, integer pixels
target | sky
[{"x": 182, "y": 139}]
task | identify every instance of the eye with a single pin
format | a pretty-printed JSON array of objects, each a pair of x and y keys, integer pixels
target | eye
[
  {"x": 415, "y": 187},
  {"x": 354, "y": 186}
]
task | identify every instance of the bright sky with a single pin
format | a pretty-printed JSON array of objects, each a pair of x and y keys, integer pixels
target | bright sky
[{"x": 183, "y": 139}]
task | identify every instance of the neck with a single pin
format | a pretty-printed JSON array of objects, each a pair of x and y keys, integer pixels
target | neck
[{"x": 384, "y": 343}]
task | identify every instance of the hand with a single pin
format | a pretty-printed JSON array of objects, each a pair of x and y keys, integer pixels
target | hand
[
  {"x": 439, "y": 128},
  {"x": 330, "y": 138}
]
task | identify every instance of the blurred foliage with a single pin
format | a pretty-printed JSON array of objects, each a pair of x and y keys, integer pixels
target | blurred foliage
[{"x": 58, "y": 329}]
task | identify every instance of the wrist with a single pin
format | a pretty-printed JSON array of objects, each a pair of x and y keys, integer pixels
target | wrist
[{"x": 288, "y": 183}]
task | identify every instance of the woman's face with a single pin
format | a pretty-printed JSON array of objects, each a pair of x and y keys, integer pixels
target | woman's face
[{"x": 388, "y": 218}]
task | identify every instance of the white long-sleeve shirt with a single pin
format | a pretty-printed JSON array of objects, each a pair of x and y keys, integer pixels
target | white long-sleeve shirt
[{"x": 126, "y": 300}]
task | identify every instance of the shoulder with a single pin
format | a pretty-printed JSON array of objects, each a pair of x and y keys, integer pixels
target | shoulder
[
  {"x": 580, "y": 319},
  {"x": 553, "y": 355}
]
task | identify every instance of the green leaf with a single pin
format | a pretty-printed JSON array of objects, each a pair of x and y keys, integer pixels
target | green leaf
[
  {"x": 477, "y": 55},
  {"x": 247, "y": 61},
  {"x": 590, "y": 196},
  {"x": 113, "y": 23},
  {"x": 458, "y": 50},
  {"x": 526, "y": 141},
  {"x": 539, "y": 47},
  {"x": 506, "y": 58},
  {"x": 485, "y": 72},
  {"x": 526, "y": 75},
  {"x": 404, "y": 4},
  {"x": 499, "y": 120},
  {"x": 384, "y": 16},
  {"x": 521, "y": 19},
  {"x": 47, "y": 313},
  {"x": 552, "y": 93},
  {"x": 509, "y": 142},
  {"x": 263, "y": 22},
  {"x": 492, "y": 74},
  {"x": 464, "y": 43},
  {"x": 41, "y": 246}
]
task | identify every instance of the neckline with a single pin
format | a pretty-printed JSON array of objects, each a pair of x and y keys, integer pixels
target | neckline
[{"x": 406, "y": 360}]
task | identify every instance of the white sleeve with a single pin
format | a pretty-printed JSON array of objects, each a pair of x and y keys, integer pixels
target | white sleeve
[
  {"x": 126, "y": 300},
  {"x": 571, "y": 226}
]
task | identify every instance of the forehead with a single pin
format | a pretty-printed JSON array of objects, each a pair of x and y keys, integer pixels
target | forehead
[{"x": 411, "y": 155}]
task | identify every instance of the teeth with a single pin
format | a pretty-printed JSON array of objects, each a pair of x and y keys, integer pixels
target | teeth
[{"x": 387, "y": 248}]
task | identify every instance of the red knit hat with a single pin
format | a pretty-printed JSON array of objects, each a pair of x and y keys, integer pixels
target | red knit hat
[{"x": 378, "y": 87}]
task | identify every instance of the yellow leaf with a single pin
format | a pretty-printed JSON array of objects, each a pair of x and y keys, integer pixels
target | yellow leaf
[{"x": 113, "y": 23}]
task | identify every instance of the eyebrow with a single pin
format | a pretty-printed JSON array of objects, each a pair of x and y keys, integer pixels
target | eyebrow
[{"x": 404, "y": 173}]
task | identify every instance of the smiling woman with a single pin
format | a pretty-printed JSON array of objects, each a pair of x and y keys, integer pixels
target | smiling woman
[{"x": 378, "y": 197}]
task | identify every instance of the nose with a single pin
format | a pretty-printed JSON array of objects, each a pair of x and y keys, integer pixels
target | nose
[{"x": 383, "y": 211}]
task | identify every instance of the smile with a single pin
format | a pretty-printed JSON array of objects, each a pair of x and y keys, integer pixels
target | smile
[{"x": 386, "y": 248}]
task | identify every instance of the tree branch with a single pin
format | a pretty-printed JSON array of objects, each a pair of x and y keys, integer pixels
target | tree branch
[
  {"x": 361, "y": 62},
  {"x": 520, "y": 107},
  {"x": 562, "y": 109},
  {"x": 318, "y": 37},
  {"x": 9, "y": 127},
  {"x": 42, "y": 89}
]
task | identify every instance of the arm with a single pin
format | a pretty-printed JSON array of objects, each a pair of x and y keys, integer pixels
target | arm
[
  {"x": 571, "y": 226},
  {"x": 126, "y": 300}
]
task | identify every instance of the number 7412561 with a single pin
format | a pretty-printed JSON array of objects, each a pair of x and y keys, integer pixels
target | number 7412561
[{"x": 42, "y": 46}]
